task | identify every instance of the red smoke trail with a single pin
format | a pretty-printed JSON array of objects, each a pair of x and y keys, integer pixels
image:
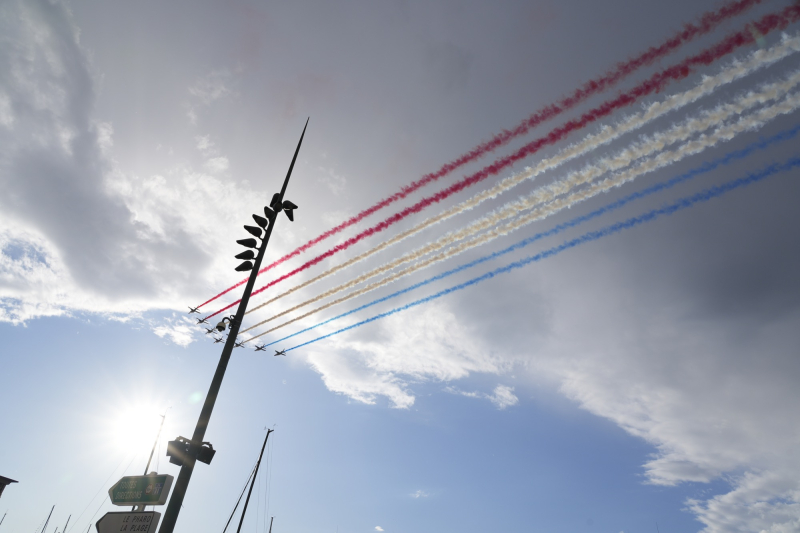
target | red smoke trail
[
  {"x": 708, "y": 22},
  {"x": 656, "y": 82}
]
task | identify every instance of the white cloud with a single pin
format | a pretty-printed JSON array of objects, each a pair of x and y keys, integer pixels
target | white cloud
[
  {"x": 180, "y": 330},
  {"x": 105, "y": 136},
  {"x": 351, "y": 374},
  {"x": 704, "y": 391},
  {"x": 378, "y": 528},
  {"x": 78, "y": 233},
  {"x": 503, "y": 396},
  {"x": 6, "y": 114},
  {"x": 212, "y": 86},
  {"x": 217, "y": 165},
  {"x": 335, "y": 182},
  {"x": 419, "y": 494},
  {"x": 205, "y": 145},
  {"x": 427, "y": 345}
]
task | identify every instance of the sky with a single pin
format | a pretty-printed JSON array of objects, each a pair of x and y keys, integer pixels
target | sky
[{"x": 624, "y": 359}]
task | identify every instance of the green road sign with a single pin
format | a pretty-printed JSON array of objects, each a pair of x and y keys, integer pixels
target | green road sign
[{"x": 152, "y": 489}]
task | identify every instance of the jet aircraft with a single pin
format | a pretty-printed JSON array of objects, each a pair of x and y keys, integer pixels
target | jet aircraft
[
  {"x": 282, "y": 352},
  {"x": 193, "y": 309},
  {"x": 210, "y": 330},
  {"x": 238, "y": 344},
  {"x": 218, "y": 339},
  {"x": 261, "y": 348},
  {"x": 201, "y": 320}
]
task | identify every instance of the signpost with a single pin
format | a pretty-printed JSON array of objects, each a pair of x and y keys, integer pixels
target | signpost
[
  {"x": 151, "y": 489},
  {"x": 146, "y": 522}
]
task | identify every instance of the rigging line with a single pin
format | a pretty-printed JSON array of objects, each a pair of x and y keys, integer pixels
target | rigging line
[
  {"x": 722, "y": 134},
  {"x": 657, "y": 82},
  {"x": 240, "y": 498},
  {"x": 250, "y": 492},
  {"x": 683, "y": 203},
  {"x": 736, "y": 155},
  {"x": 738, "y": 69},
  {"x": 105, "y": 483},
  {"x": 625, "y": 157},
  {"x": 707, "y": 22},
  {"x": 264, "y": 482},
  {"x": 136, "y": 455},
  {"x": 269, "y": 478}
]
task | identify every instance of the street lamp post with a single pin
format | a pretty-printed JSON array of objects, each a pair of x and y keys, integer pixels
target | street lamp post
[{"x": 188, "y": 459}]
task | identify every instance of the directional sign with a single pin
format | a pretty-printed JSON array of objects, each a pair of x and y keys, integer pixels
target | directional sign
[
  {"x": 141, "y": 490},
  {"x": 126, "y": 522}
]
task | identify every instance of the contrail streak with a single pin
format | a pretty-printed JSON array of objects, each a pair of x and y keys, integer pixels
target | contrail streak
[
  {"x": 736, "y": 155},
  {"x": 707, "y": 22},
  {"x": 723, "y": 133},
  {"x": 655, "y": 83},
  {"x": 542, "y": 195},
  {"x": 736, "y": 71},
  {"x": 684, "y": 203}
]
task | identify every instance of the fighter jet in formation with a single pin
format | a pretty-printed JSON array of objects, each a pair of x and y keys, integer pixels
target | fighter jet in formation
[
  {"x": 193, "y": 309},
  {"x": 201, "y": 320},
  {"x": 239, "y": 344},
  {"x": 282, "y": 352},
  {"x": 218, "y": 339},
  {"x": 261, "y": 348},
  {"x": 210, "y": 330}
]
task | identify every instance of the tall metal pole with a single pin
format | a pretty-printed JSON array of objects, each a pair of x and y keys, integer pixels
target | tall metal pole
[
  {"x": 255, "y": 475},
  {"x": 185, "y": 475}
]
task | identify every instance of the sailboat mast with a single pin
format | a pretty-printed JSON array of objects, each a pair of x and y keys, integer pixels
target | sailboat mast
[{"x": 244, "y": 510}]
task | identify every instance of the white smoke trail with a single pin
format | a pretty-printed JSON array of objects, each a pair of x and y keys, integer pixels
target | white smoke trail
[
  {"x": 737, "y": 70},
  {"x": 723, "y": 133},
  {"x": 677, "y": 133}
]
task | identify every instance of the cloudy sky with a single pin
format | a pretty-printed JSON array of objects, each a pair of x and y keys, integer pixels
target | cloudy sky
[{"x": 638, "y": 378}]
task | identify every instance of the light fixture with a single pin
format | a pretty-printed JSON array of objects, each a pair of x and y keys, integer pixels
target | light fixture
[
  {"x": 244, "y": 267},
  {"x": 254, "y": 231},
  {"x": 248, "y": 243},
  {"x": 261, "y": 221}
]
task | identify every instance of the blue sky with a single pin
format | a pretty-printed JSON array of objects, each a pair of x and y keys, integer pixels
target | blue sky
[
  {"x": 450, "y": 462},
  {"x": 645, "y": 377}
]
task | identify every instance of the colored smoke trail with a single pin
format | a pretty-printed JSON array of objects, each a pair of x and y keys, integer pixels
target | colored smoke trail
[
  {"x": 736, "y": 71},
  {"x": 676, "y": 134},
  {"x": 707, "y": 22},
  {"x": 655, "y": 83},
  {"x": 731, "y": 157},
  {"x": 684, "y": 203},
  {"x": 724, "y": 133}
]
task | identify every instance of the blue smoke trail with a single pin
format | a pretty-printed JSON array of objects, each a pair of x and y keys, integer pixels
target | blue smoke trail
[
  {"x": 683, "y": 203},
  {"x": 706, "y": 167}
]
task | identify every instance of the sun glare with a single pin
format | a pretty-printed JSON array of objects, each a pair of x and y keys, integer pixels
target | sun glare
[{"x": 133, "y": 429}]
